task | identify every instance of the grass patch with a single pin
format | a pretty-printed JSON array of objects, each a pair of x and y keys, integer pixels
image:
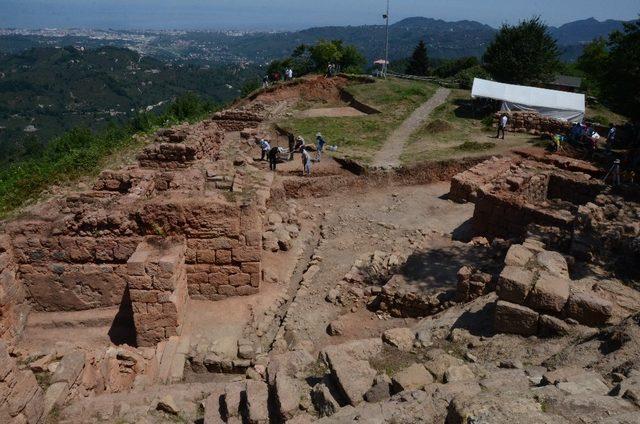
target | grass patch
[
  {"x": 360, "y": 137},
  {"x": 454, "y": 130},
  {"x": 470, "y": 146}
]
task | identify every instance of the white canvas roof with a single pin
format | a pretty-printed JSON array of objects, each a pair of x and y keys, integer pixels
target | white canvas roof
[{"x": 558, "y": 104}]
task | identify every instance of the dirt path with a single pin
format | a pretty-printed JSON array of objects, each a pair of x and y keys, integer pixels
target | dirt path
[{"x": 389, "y": 156}]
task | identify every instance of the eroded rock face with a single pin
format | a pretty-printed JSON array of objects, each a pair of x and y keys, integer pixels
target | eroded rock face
[{"x": 22, "y": 399}]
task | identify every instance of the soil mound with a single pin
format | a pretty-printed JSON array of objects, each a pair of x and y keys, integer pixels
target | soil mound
[
  {"x": 309, "y": 89},
  {"x": 438, "y": 126}
]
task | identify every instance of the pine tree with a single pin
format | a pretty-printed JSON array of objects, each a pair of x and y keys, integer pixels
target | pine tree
[{"x": 419, "y": 62}]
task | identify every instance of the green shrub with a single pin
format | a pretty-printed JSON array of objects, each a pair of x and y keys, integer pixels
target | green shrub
[{"x": 81, "y": 152}]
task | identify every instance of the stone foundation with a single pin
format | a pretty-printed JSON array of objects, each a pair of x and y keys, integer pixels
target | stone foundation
[{"x": 157, "y": 279}]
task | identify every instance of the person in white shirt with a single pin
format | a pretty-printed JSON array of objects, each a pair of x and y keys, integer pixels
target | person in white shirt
[
  {"x": 264, "y": 147},
  {"x": 502, "y": 125},
  {"x": 306, "y": 162}
]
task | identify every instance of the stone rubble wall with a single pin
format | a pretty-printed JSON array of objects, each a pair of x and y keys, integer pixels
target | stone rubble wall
[
  {"x": 533, "y": 123},
  {"x": 500, "y": 215},
  {"x": 536, "y": 295},
  {"x": 466, "y": 185},
  {"x": 177, "y": 148},
  {"x": 22, "y": 400},
  {"x": 608, "y": 232},
  {"x": 157, "y": 279},
  {"x": 13, "y": 309}
]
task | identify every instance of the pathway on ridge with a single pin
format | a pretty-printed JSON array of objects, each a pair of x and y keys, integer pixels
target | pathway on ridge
[{"x": 389, "y": 155}]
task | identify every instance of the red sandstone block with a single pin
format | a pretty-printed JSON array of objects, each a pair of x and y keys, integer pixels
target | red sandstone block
[
  {"x": 139, "y": 308},
  {"x": 227, "y": 290},
  {"x": 218, "y": 279},
  {"x": 139, "y": 282},
  {"x": 237, "y": 280},
  {"x": 251, "y": 267},
  {"x": 246, "y": 291},
  {"x": 256, "y": 279},
  {"x": 199, "y": 278},
  {"x": 144, "y": 296},
  {"x": 190, "y": 256},
  {"x": 223, "y": 257},
  {"x": 246, "y": 254},
  {"x": 206, "y": 256}
]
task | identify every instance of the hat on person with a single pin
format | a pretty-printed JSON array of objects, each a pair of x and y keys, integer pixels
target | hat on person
[{"x": 318, "y": 135}]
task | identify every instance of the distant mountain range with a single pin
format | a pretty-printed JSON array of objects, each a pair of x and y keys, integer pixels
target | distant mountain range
[{"x": 444, "y": 40}]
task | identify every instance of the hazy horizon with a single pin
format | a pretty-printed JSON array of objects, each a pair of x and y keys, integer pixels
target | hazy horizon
[{"x": 290, "y": 15}]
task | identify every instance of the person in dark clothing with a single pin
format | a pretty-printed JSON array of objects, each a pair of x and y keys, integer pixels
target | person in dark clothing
[
  {"x": 273, "y": 158},
  {"x": 292, "y": 145}
]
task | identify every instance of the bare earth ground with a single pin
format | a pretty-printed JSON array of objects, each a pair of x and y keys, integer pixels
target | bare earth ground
[
  {"x": 330, "y": 112},
  {"x": 389, "y": 155}
]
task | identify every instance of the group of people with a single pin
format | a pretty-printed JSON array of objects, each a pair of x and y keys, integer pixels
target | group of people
[
  {"x": 286, "y": 75},
  {"x": 587, "y": 136},
  {"x": 296, "y": 145}
]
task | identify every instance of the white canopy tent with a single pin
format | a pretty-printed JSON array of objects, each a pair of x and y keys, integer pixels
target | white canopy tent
[{"x": 552, "y": 103}]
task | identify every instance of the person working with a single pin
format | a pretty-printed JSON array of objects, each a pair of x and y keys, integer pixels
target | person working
[
  {"x": 273, "y": 157},
  {"x": 306, "y": 162},
  {"x": 264, "y": 147},
  {"x": 319, "y": 146},
  {"x": 502, "y": 125},
  {"x": 611, "y": 138},
  {"x": 292, "y": 145}
]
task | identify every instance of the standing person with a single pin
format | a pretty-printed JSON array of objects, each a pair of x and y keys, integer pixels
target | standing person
[
  {"x": 611, "y": 138},
  {"x": 306, "y": 162},
  {"x": 299, "y": 144},
  {"x": 273, "y": 157},
  {"x": 292, "y": 145},
  {"x": 265, "y": 81},
  {"x": 502, "y": 125},
  {"x": 319, "y": 146},
  {"x": 264, "y": 147}
]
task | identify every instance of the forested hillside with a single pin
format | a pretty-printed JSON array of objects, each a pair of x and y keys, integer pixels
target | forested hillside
[{"x": 47, "y": 91}]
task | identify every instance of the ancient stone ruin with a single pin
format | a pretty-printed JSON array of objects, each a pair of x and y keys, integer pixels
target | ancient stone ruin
[{"x": 192, "y": 284}]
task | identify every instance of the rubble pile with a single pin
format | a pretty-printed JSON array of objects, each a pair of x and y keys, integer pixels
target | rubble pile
[
  {"x": 240, "y": 119},
  {"x": 533, "y": 123},
  {"x": 177, "y": 147},
  {"x": 607, "y": 231}
]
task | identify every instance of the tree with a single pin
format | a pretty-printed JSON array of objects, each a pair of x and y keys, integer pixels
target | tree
[
  {"x": 325, "y": 52},
  {"x": 352, "y": 60},
  {"x": 523, "y": 54},
  {"x": 620, "y": 82},
  {"x": 419, "y": 62},
  {"x": 593, "y": 63}
]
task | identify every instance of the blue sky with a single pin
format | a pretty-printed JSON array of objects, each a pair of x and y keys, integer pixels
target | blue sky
[{"x": 292, "y": 14}]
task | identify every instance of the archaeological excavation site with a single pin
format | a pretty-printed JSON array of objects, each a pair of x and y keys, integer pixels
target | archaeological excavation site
[{"x": 192, "y": 284}]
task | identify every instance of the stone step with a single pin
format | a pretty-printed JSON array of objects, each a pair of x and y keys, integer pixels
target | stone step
[{"x": 102, "y": 317}]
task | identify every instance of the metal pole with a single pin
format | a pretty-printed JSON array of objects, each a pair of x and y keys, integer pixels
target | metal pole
[{"x": 386, "y": 49}]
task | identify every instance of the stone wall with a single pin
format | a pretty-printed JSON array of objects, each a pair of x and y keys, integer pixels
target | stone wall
[
  {"x": 21, "y": 399},
  {"x": 466, "y": 185},
  {"x": 502, "y": 215},
  {"x": 533, "y": 123},
  {"x": 13, "y": 310},
  {"x": 157, "y": 278},
  {"x": 176, "y": 148}
]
